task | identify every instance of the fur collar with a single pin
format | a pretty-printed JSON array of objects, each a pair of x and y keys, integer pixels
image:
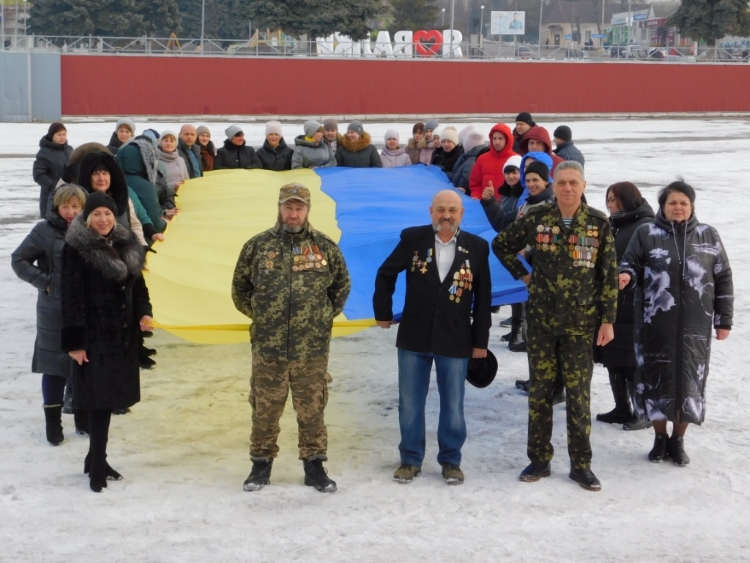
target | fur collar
[
  {"x": 148, "y": 154},
  {"x": 124, "y": 257},
  {"x": 356, "y": 146},
  {"x": 413, "y": 145}
]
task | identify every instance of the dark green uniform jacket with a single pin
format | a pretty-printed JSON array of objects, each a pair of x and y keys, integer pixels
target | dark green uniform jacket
[
  {"x": 574, "y": 280},
  {"x": 291, "y": 286}
]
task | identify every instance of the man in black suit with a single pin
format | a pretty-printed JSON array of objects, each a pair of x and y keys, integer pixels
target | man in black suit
[{"x": 447, "y": 271}]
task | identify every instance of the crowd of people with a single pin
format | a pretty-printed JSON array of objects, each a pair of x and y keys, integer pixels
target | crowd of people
[{"x": 638, "y": 291}]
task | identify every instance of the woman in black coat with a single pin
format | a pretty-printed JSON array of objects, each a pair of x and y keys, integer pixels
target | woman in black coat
[
  {"x": 684, "y": 291},
  {"x": 628, "y": 211},
  {"x": 38, "y": 261},
  {"x": 104, "y": 304},
  {"x": 51, "y": 160},
  {"x": 235, "y": 153}
]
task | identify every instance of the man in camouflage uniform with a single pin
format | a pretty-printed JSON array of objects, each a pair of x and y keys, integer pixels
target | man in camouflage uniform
[
  {"x": 573, "y": 284},
  {"x": 292, "y": 281}
]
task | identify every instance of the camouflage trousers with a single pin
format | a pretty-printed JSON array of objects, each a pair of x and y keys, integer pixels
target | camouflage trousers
[
  {"x": 269, "y": 389},
  {"x": 573, "y": 354}
]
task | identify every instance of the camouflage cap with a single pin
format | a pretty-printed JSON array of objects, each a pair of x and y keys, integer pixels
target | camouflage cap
[{"x": 294, "y": 191}]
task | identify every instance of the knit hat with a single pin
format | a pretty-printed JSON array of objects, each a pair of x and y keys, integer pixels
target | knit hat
[
  {"x": 473, "y": 140},
  {"x": 563, "y": 133},
  {"x": 54, "y": 128},
  {"x": 514, "y": 161},
  {"x": 311, "y": 127},
  {"x": 126, "y": 122},
  {"x": 202, "y": 129},
  {"x": 151, "y": 134},
  {"x": 232, "y": 131},
  {"x": 330, "y": 124},
  {"x": 294, "y": 191},
  {"x": 463, "y": 133},
  {"x": 418, "y": 128},
  {"x": 357, "y": 127},
  {"x": 391, "y": 134},
  {"x": 449, "y": 134},
  {"x": 96, "y": 200},
  {"x": 168, "y": 132},
  {"x": 538, "y": 167},
  {"x": 273, "y": 127},
  {"x": 525, "y": 117},
  {"x": 431, "y": 124}
]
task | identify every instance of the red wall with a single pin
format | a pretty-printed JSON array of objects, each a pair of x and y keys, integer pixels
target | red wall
[{"x": 187, "y": 85}]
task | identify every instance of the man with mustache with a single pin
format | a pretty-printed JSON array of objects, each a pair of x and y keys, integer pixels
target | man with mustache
[
  {"x": 447, "y": 274},
  {"x": 291, "y": 280}
]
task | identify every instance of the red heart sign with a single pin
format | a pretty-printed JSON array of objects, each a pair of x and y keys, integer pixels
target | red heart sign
[{"x": 428, "y": 43}]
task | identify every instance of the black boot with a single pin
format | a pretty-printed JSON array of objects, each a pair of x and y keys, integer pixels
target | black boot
[
  {"x": 68, "y": 398},
  {"x": 97, "y": 456},
  {"x": 143, "y": 356},
  {"x": 53, "y": 424},
  {"x": 676, "y": 449},
  {"x": 260, "y": 475},
  {"x": 81, "y": 420},
  {"x": 317, "y": 476},
  {"x": 517, "y": 341},
  {"x": 623, "y": 411},
  {"x": 659, "y": 452},
  {"x": 635, "y": 423},
  {"x": 110, "y": 474},
  {"x": 523, "y": 385},
  {"x": 507, "y": 336}
]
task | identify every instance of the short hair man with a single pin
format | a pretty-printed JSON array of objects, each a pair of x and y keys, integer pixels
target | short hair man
[
  {"x": 447, "y": 274},
  {"x": 573, "y": 282},
  {"x": 190, "y": 151},
  {"x": 291, "y": 280}
]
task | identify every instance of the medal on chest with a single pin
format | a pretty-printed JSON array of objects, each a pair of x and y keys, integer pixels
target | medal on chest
[{"x": 463, "y": 280}]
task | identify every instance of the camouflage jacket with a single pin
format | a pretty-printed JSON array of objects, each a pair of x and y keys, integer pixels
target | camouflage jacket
[
  {"x": 291, "y": 286},
  {"x": 574, "y": 279}
]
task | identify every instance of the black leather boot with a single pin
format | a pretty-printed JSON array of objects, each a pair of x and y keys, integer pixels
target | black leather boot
[
  {"x": 660, "y": 451},
  {"x": 623, "y": 411},
  {"x": 317, "y": 476},
  {"x": 96, "y": 459},
  {"x": 676, "y": 449},
  {"x": 53, "y": 424},
  {"x": 260, "y": 475}
]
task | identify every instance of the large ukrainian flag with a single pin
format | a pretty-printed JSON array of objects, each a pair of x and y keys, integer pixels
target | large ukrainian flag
[{"x": 364, "y": 210}]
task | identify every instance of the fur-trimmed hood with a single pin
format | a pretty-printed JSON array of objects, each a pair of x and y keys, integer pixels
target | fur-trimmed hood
[
  {"x": 363, "y": 142},
  {"x": 118, "y": 186},
  {"x": 138, "y": 157},
  {"x": 414, "y": 145},
  {"x": 115, "y": 257}
]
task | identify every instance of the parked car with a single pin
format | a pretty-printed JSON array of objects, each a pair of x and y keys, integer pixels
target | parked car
[
  {"x": 525, "y": 52},
  {"x": 576, "y": 54},
  {"x": 627, "y": 52}
]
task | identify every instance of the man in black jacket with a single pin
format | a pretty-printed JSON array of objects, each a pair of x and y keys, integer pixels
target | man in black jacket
[{"x": 447, "y": 271}]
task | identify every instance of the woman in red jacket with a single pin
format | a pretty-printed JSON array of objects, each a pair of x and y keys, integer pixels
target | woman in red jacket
[{"x": 489, "y": 166}]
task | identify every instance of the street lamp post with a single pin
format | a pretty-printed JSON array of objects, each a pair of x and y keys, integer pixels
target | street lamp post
[
  {"x": 481, "y": 25},
  {"x": 442, "y": 22},
  {"x": 541, "y": 11},
  {"x": 453, "y": 13},
  {"x": 203, "y": 23}
]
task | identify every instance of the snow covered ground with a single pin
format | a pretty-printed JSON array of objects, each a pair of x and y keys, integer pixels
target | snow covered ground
[{"x": 183, "y": 449}]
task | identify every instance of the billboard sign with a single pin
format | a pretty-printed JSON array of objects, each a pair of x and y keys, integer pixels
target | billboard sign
[{"x": 508, "y": 23}]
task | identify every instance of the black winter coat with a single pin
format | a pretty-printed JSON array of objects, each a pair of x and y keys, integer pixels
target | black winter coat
[
  {"x": 103, "y": 299},
  {"x": 358, "y": 154},
  {"x": 463, "y": 166},
  {"x": 49, "y": 166},
  {"x": 38, "y": 260},
  {"x": 277, "y": 159},
  {"x": 114, "y": 143},
  {"x": 446, "y": 160},
  {"x": 231, "y": 156},
  {"x": 621, "y": 351},
  {"x": 684, "y": 290}
]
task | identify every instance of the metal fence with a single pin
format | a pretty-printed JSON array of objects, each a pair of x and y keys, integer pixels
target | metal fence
[{"x": 283, "y": 46}]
